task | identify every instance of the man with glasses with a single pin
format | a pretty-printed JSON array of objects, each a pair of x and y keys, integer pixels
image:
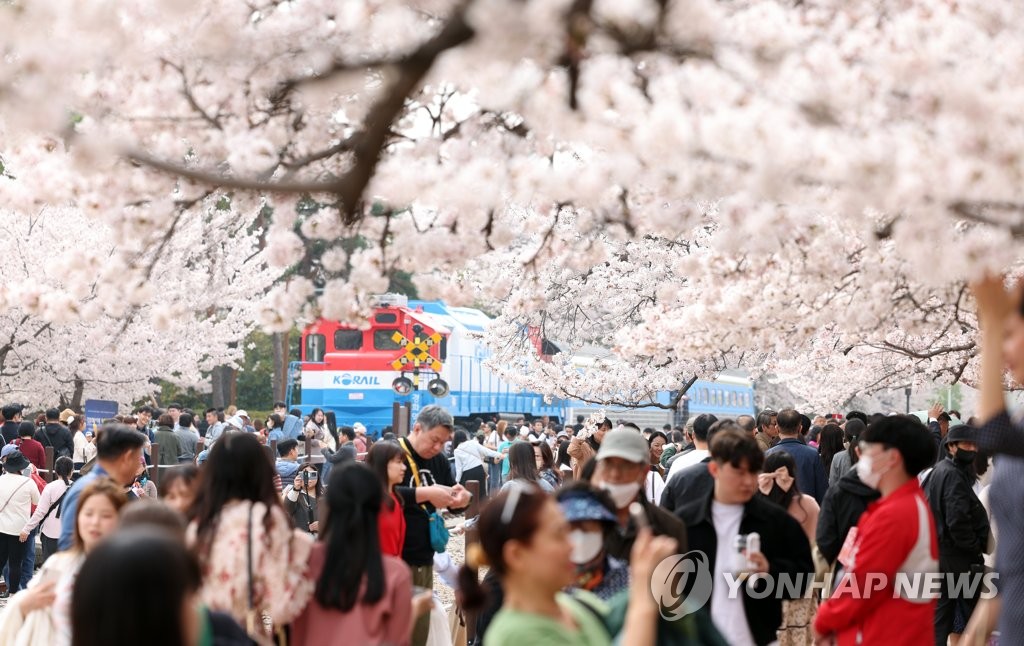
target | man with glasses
[
  {"x": 429, "y": 481},
  {"x": 767, "y": 434}
]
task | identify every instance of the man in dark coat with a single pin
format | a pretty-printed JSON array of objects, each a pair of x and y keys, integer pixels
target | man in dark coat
[
  {"x": 12, "y": 420},
  {"x": 961, "y": 523},
  {"x": 843, "y": 505},
  {"x": 730, "y": 510},
  {"x": 56, "y": 435}
]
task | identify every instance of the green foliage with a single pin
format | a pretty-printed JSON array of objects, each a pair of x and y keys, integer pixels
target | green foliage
[{"x": 950, "y": 397}]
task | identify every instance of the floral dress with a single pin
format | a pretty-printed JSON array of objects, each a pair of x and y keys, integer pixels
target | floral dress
[{"x": 280, "y": 558}]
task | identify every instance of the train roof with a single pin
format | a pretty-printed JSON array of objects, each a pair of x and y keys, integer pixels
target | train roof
[{"x": 464, "y": 318}]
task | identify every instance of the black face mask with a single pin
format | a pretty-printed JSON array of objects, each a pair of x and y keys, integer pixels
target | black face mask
[{"x": 965, "y": 457}]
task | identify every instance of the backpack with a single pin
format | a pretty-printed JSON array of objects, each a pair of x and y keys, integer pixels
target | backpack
[{"x": 61, "y": 452}]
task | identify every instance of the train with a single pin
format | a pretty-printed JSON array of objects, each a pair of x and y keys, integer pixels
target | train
[{"x": 426, "y": 352}]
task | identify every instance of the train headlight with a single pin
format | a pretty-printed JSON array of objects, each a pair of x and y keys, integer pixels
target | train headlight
[
  {"x": 402, "y": 385},
  {"x": 438, "y": 387}
]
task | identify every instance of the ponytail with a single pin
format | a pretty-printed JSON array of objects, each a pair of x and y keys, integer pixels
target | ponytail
[{"x": 472, "y": 595}]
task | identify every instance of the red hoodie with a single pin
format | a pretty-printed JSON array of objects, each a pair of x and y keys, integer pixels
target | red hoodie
[
  {"x": 895, "y": 535},
  {"x": 32, "y": 450}
]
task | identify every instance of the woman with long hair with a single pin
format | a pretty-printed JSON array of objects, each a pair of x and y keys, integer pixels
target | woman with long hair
[
  {"x": 470, "y": 457},
  {"x": 237, "y": 514},
  {"x": 47, "y": 511},
  {"x": 777, "y": 484},
  {"x": 494, "y": 471},
  {"x": 40, "y": 614},
  {"x": 844, "y": 460},
  {"x": 830, "y": 442},
  {"x": 522, "y": 469},
  {"x": 362, "y": 596},
  {"x": 546, "y": 464},
  {"x": 655, "y": 483},
  {"x": 564, "y": 461},
  {"x": 525, "y": 541},
  {"x": 316, "y": 430},
  {"x": 178, "y": 487},
  {"x": 389, "y": 462}
]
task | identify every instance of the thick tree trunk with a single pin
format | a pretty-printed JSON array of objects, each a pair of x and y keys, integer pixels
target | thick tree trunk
[
  {"x": 75, "y": 401},
  {"x": 221, "y": 378}
]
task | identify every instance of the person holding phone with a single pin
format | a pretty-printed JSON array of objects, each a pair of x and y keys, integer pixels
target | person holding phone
[{"x": 300, "y": 499}]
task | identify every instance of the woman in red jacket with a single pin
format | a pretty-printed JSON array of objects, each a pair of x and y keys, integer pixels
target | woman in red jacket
[{"x": 388, "y": 462}]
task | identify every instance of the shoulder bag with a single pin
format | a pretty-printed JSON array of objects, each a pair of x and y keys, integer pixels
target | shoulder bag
[{"x": 438, "y": 532}]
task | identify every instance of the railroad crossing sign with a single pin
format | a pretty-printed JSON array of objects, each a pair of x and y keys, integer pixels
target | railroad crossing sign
[{"x": 417, "y": 352}]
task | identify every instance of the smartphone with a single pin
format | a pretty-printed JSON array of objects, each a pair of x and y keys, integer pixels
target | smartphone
[{"x": 636, "y": 512}]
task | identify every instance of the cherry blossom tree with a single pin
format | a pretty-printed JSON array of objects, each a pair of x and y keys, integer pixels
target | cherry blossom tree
[
  {"x": 688, "y": 184},
  {"x": 60, "y": 345}
]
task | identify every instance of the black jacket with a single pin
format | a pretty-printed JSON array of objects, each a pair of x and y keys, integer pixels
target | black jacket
[
  {"x": 783, "y": 543},
  {"x": 10, "y": 431},
  {"x": 692, "y": 482},
  {"x": 57, "y": 436},
  {"x": 840, "y": 510},
  {"x": 417, "y": 550},
  {"x": 620, "y": 543},
  {"x": 960, "y": 518}
]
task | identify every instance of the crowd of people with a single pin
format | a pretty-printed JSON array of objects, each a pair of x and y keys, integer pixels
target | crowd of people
[{"x": 780, "y": 528}]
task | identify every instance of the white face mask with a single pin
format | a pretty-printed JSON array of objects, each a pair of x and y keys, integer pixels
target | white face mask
[
  {"x": 865, "y": 473},
  {"x": 622, "y": 494},
  {"x": 585, "y": 546}
]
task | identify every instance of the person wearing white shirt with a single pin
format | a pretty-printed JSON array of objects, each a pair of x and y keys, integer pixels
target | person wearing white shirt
[
  {"x": 700, "y": 451},
  {"x": 17, "y": 495},
  {"x": 469, "y": 460}
]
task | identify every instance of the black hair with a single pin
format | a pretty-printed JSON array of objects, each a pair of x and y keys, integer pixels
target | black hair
[
  {"x": 112, "y": 576},
  {"x": 274, "y": 421},
  {"x": 805, "y": 424},
  {"x": 655, "y": 435},
  {"x": 284, "y": 447},
  {"x": 521, "y": 462},
  {"x": 185, "y": 420},
  {"x": 944, "y": 417},
  {"x": 10, "y": 411},
  {"x": 587, "y": 472},
  {"x": 187, "y": 473},
  {"x": 852, "y": 432},
  {"x": 701, "y": 424},
  {"x": 52, "y": 414},
  {"x": 377, "y": 458},
  {"x": 152, "y": 513},
  {"x": 563, "y": 454},
  {"x": 117, "y": 439},
  {"x": 145, "y": 409},
  {"x": 280, "y": 405},
  {"x": 856, "y": 414},
  {"x": 548, "y": 459},
  {"x": 348, "y": 432},
  {"x": 735, "y": 446},
  {"x": 676, "y": 437},
  {"x": 237, "y": 468},
  {"x": 26, "y": 429},
  {"x": 295, "y": 412},
  {"x": 830, "y": 442},
  {"x": 497, "y": 527},
  {"x": 909, "y": 436},
  {"x": 789, "y": 421},
  {"x": 353, "y": 568},
  {"x": 64, "y": 467},
  {"x": 784, "y": 499},
  {"x": 174, "y": 405},
  {"x": 210, "y": 410},
  {"x": 459, "y": 437}
]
